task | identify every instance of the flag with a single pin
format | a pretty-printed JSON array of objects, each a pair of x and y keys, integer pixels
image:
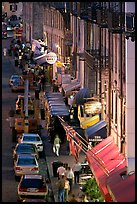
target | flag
[{"x": 36, "y": 47}]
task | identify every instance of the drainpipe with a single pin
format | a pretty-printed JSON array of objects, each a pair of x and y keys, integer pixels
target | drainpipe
[
  {"x": 121, "y": 85},
  {"x": 109, "y": 84}
]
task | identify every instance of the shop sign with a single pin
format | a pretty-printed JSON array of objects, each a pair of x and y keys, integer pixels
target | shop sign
[
  {"x": 51, "y": 57},
  {"x": 96, "y": 139},
  {"x": 68, "y": 38},
  {"x": 92, "y": 107},
  {"x": 59, "y": 64}
]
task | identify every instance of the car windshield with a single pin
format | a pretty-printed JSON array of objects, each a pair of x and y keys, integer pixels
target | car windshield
[
  {"x": 26, "y": 161},
  {"x": 31, "y": 138},
  {"x": 31, "y": 183},
  {"x": 15, "y": 77}
]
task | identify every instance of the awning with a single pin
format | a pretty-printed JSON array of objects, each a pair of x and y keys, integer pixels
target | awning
[
  {"x": 89, "y": 122},
  {"x": 41, "y": 59},
  {"x": 68, "y": 88},
  {"x": 122, "y": 189},
  {"x": 97, "y": 132},
  {"x": 79, "y": 98},
  {"x": 56, "y": 104},
  {"x": 105, "y": 160}
]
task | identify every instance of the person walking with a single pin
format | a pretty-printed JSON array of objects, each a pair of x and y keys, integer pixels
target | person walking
[
  {"x": 61, "y": 171},
  {"x": 76, "y": 169},
  {"x": 70, "y": 177},
  {"x": 4, "y": 52},
  {"x": 61, "y": 189},
  {"x": 56, "y": 145},
  {"x": 67, "y": 190},
  {"x": 43, "y": 81}
]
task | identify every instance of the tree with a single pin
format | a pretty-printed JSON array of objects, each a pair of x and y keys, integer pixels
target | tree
[{"x": 92, "y": 190}]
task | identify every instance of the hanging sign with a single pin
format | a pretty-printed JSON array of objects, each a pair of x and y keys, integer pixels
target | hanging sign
[
  {"x": 51, "y": 57},
  {"x": 92, "y": 107}
]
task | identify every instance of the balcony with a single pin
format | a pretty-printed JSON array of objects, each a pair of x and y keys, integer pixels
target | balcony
[
  {"x": 116, "y": 22},
  {"x": 102, "y": 18},
  {"x": 96, "y": 60}
]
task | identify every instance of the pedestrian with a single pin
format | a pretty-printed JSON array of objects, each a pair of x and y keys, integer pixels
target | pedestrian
[
  {"x": 43, "y": 81},
  {"x": 76, "y": 169},
  {"x": 61, "y": 171},
  {"x": 67, "y": 189},
  {"x": 70, "y": 177},
  {"x": 56, "y": 145},
  {"x": 61, "y": 188},
  {"x": 55, "y": 86},
  {"x": 5, "y": 51}
]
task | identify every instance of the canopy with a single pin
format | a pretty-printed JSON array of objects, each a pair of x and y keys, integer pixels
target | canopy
[
  {"x": 56, "y": 104},
  {"x": 68, "y": 88},
  {"x": 105, "y": 160},
  {"x": 122, "y": 188},
  {"x": 41, "y": 60},
  {"x": 97, "y": 132},
  {"x": 81, "y": 95},
  {"x": 89, "y": 121}
]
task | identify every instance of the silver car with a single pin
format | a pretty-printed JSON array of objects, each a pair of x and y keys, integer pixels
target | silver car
[
  {"x": 32, "y": 138},
  {"x": 25, "y": 164}
]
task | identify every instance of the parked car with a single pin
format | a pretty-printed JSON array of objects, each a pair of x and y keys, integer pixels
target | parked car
[
  {"x": 32, "y": 186},
  {"x": 25, "y": 164},
  {"x": 23, "y": 148},
  {"x": 18, "y": 86},
  {"x": 32, "y": 138},
  {"x": 13, "y": 78}
]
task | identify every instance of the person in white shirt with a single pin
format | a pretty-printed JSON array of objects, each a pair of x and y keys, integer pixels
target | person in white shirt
[
  {"x": 76, "y": 169},
  {"x": 70, "y": 177}
]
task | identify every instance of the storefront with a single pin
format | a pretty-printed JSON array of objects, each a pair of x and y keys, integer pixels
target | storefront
[{"x": 96, "y": 133}]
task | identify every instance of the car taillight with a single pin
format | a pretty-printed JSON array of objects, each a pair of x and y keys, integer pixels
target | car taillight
[
  {"x": 22, "y": 189},
  {"x": 44, "y": 189},
  {"x": 35, "y": 169},
  {"x": 18, "y": 168}
]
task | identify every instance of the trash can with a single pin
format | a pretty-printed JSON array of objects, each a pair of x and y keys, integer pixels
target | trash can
[{"x": 55, "y": 166}]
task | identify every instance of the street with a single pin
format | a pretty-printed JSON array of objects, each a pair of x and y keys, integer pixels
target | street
[{"x": 9, "y": 184}]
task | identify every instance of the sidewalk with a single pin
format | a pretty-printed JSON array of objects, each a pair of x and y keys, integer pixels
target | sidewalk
[{"x": 50, "y": 157}]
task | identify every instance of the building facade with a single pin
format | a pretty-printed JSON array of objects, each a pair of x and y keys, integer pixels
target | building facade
[{"x": 102, "y": 53}]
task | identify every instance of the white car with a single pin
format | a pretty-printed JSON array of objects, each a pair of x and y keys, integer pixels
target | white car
[
  {"x": 32, "y": 138},
  {"x": 25, "y": 164}
]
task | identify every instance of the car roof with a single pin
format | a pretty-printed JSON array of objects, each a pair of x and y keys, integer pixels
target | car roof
[
  {"x": 33, "y": 176},
  {"x": 26, "y": 156},
  {"x": 30, "y": 134},
  {"x": 15, "y": 75}
]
